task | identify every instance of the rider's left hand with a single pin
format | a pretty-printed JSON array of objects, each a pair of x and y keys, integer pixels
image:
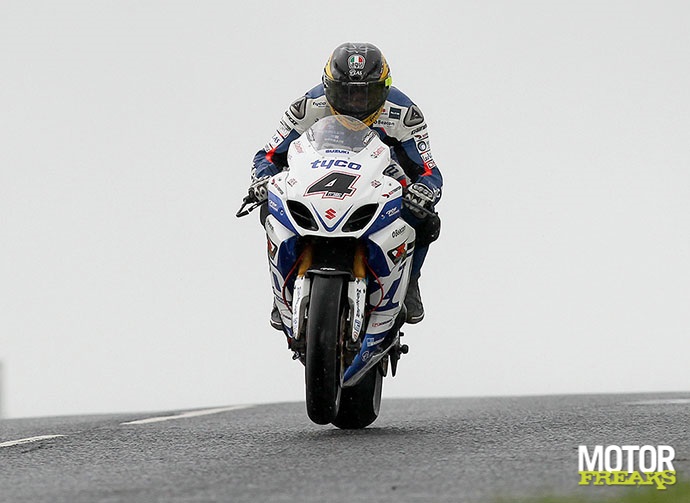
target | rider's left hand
[{"x": 421, "y": 195}]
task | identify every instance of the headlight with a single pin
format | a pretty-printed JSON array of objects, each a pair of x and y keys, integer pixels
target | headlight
[
  {"x": 360, "y": 218},
  {"x": 302, "y": 216}
]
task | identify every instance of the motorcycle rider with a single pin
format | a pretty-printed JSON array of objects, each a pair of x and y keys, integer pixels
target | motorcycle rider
[{"x": 357, "y": 82}]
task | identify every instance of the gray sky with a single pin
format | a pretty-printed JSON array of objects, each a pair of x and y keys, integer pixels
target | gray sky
[{"x": 127, "y": 131}]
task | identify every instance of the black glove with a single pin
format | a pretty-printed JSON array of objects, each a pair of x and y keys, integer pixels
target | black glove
[{"x": 420, "y": 195}]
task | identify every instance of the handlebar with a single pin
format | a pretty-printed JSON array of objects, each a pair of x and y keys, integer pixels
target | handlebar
[
  {"x": 245, "y": 208},
  {"x": 249, "y": 204}
]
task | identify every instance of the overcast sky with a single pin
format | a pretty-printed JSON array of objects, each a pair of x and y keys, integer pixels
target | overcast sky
[{"x": 127, "y": 130}]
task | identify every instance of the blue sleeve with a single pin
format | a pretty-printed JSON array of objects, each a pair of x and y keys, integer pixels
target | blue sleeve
[
  {"x": 262, "y": 166},
  {"x": 269, "y": 163},
  {"x": 427, "y": 171}
]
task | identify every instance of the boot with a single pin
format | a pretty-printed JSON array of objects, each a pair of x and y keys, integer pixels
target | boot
[
  {"x": 413, "y": 302},
  {"x": 276, "y": 319}
]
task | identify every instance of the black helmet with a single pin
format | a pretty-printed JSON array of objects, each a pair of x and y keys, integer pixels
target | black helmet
[{"x": 357, "y": 80}]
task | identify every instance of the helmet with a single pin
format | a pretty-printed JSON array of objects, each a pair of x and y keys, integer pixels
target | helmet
[{"x": 356, "y": 80}]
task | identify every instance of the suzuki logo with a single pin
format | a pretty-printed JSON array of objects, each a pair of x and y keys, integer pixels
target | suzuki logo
[{"x": 330, "y": 214}]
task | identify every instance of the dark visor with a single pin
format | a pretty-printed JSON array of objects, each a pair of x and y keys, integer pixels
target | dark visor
[{"x": 358, "y": 99}]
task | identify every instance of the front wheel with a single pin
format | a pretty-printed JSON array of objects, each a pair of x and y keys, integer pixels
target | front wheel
[{"x": 323, "y": 359}]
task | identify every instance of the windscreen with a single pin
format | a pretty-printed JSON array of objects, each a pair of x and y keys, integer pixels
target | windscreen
[{"x": 339, "y": 132}]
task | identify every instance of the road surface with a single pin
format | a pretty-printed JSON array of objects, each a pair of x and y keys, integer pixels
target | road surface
[{"x": 459, "y": 450}]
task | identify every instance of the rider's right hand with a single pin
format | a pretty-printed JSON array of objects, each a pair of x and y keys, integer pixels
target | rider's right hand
[{"x": 258, "y": 190}]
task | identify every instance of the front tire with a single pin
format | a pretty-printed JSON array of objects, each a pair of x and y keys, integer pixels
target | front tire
[{"x": 323, "y": 358}]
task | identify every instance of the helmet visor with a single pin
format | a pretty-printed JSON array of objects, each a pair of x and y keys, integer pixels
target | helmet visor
[{"x": 358, "y": 99}]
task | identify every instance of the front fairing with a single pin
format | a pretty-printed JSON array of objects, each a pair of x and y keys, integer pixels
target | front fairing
[{"x": 335, "y": 185}]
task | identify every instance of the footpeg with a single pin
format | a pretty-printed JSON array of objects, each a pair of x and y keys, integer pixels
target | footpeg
[{"x": 394, "y": 354}]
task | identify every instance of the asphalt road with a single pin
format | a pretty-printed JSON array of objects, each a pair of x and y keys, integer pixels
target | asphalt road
[{"x": 418, "y": 450}]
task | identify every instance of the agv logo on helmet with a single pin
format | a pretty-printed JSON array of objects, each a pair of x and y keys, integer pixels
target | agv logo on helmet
[{"x": 356, "y": 64}]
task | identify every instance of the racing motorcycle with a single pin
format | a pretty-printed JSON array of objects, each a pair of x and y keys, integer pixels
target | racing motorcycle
[{"x": 340, "y": 257}]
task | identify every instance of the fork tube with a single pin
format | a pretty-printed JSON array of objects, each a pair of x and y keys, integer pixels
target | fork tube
[
  {"x": 305, "y": 264},
  {"x": 359, "y": 268}
]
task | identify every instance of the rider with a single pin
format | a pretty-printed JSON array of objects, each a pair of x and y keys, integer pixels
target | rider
[{"x": 357, "y": 82}]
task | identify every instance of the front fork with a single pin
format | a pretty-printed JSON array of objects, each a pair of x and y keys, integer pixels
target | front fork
[
  {"x": 357, "y": 294},
  {"x": 362, "y": 350}
]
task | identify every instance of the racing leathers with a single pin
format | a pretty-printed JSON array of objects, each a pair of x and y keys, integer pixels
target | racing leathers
[{"x": 400, "y": 125}]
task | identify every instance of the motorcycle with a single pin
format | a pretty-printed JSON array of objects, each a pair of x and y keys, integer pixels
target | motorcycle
[{"x": 340, "y": 257}]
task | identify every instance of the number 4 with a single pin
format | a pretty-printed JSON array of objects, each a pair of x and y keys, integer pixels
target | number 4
[{"x": 334, "y": 185}]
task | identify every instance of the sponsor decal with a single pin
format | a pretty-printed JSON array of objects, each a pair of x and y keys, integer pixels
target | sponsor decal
[
  {"x": 335, "y": 163},
  {"x": 627, "y": 465},
  {"x": 275, "y": 140},
  {"x": 375, "y": 183},
  {"x": 272, "y": 249},
  {"x": 356, "y": 62},
  {"x": 392, "y": 212},
  {"x": 338, "y": 151},
  {"x": 394, "y": 171},
  {"x": 421, "y": 128},
  {"x": 330, "y": 214},
  {"x": 392, "y": 192},
  {"x": 299, "y": 108},
  {"x": 297, "y": 145},
  {"x": 394, "y": 113},
  {"x": 378, "y": 151},
  {"x": 277, "y": 187},
  {"x": 399, "y": 231},
  {"x": 376, "y": 325},
  {"x": 413, "y": 117},
  {"x": 397, "y": 254},
  {"x": 422, "y": 146},
  {"x": 291, "y": 182}
]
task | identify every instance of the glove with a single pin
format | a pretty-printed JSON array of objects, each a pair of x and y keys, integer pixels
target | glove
[
  {"x": 258, "y": 190},
  {"x": 420, "y": 195}
]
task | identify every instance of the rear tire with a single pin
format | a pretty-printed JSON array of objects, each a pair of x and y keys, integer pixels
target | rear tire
[
  {"x": 323, "y": 359},
  {"x": 359, "y": 404}
]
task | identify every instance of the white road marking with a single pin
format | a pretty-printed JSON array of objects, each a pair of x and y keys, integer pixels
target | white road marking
[
  {"x": 666, "y": 401},
  {"x": 28, "y": 440},
  {"x": 184, "y": 415}
]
